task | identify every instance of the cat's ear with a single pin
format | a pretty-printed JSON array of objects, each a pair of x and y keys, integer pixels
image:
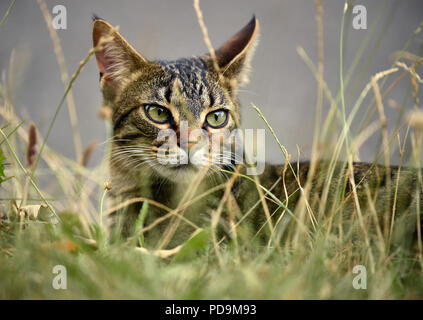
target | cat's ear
[
  {"x": 234, "y": 56},
  {"x": 116, "y": 59}
]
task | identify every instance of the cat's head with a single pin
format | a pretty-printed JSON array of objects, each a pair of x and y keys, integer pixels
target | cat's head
[{"x": 191, "y": 97}]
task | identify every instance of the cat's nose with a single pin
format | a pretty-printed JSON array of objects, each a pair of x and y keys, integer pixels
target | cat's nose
[
  {"x": 187, "y": 144},
  {"x": 184, "y": 141}
]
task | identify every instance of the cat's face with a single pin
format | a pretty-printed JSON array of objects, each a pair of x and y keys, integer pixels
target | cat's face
[{"x": 169, "y": 114}]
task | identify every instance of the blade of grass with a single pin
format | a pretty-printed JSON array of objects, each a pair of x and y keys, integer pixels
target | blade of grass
[
  {"x": 7, "y": 13},
  {"x": 28, "y": 175},
  {"x": 65, "y": 78}
]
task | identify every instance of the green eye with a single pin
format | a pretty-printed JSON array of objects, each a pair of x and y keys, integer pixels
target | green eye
[
  {"x": 217, "y": 119},
  {"x": 156, "y": 113}
]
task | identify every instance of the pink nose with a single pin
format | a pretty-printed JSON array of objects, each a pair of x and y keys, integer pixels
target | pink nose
[{"x": 186, "y": 142}]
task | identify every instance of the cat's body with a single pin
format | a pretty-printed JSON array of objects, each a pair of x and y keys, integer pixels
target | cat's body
[{"x": 149, "y": 97}]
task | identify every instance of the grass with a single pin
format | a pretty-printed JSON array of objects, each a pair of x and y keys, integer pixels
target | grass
[{"x": 314, "y": 261}]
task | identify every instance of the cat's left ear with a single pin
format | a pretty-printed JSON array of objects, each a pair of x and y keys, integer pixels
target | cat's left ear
[{"x": 234, "y": 56}]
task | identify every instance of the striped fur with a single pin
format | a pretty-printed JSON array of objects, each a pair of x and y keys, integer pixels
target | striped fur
[{"x": 189, "y": 88}]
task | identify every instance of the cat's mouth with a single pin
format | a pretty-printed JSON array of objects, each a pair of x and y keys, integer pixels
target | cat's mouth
[
  {"x": 177, "y": 172},
  {"x": 183, "y": 166}
]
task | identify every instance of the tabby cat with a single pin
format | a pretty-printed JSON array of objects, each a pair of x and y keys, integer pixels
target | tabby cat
[{"x": 147, "y": 97}]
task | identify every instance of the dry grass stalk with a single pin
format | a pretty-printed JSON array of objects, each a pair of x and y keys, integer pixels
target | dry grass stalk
[
  {"x": 64, "y": 77},
  {"x": 32, "y": 142},
  {"x": 105, "y": 113},
  {"x": 386, "y": 149},
  {"x": 188, "y": 195},
  {"x": 86, "y": 155},
  {"x": 205, "y": 33}
]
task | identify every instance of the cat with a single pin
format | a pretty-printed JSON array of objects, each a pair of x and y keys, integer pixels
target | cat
[{"x": 148, "y": 97}]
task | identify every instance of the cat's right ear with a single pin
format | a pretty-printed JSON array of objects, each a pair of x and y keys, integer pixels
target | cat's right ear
[{"x": 116, "y": 58}]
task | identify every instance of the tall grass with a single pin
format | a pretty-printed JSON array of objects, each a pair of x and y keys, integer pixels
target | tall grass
[{"x": 312, "y": 257}]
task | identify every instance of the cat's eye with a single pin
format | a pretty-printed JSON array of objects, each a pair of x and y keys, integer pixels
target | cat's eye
[
  {"x": 157, "y": 113},
  {"x": 217, "y": 119}
]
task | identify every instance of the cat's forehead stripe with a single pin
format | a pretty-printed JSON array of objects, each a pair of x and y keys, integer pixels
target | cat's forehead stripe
[{"x": 192, "y": 75}]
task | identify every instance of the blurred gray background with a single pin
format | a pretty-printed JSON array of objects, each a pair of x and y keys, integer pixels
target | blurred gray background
[{"x": 281, "y": 84}]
